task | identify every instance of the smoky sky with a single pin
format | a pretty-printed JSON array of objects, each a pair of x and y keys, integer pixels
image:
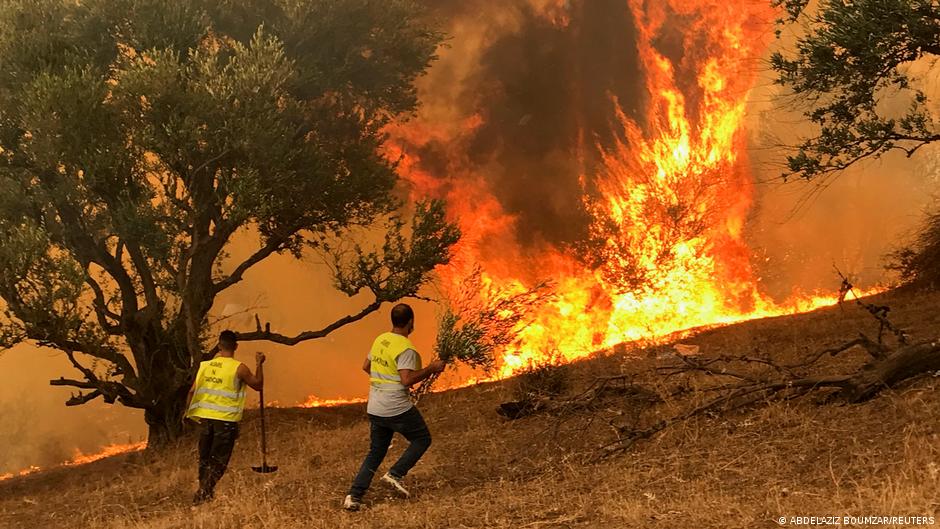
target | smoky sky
[{"x": 546, "y": 96}]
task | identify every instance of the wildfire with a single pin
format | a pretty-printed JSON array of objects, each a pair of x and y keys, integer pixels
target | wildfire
[
  {"x": 669, "y": 199},
  {"x": 25, "y": 472},
  {"x": 82, "y": 459},
  {"x": 315, "y": 402},
  {"x": 108, "y": 451}
]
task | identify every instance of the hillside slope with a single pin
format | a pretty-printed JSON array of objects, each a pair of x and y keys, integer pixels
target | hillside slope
[{"x": 740, "y": 469}]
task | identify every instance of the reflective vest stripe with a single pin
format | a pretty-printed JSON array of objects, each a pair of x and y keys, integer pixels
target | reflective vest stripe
[
  {"x": 387, "y": 387},
  {"x": 216, "y": 407},
  {"x": 221, "y": 393},
  {"x": 396, "y": 378}
]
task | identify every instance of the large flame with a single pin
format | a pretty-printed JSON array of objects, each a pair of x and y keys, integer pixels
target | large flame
[{"x": 669, "y": 199}]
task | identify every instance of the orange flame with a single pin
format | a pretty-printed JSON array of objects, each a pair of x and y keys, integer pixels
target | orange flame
[
  {"x": 82, "y": 459},
  {"x": 669, "y": 200},
  {"x": 108, "y": 451},
  {"x": 316, "y": 402}
]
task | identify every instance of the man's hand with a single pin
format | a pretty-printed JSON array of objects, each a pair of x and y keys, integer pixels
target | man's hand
[
  {"x": 255, "y": 381},
  {"x": 437, "y": 365}
]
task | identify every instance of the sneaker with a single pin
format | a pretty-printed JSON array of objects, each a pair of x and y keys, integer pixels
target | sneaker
[
  {"x": 396, "y": 484},
  {"x": 351, "y": 504}
]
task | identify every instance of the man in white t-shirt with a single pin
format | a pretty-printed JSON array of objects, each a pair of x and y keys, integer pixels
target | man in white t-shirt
[{"x": 393, "y": 366}]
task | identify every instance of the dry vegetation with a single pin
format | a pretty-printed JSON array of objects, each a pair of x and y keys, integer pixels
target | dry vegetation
[{"x": 739, "y": 469}]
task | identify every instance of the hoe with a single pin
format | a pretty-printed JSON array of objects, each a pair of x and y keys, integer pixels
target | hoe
[{"x": 264, "y": 468}]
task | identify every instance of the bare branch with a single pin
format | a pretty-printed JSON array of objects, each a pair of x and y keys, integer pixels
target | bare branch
[
  {"x": 272, "y": 246},
  {"x": 879, "y": 312},
  {"x": 705, "y": 367},
  {"x": 89, "y": 374},
  {"x": 104, "y": 314},
  {"x": 82, "y": 398},
  {"x": 81, "y": 384},
  {"x": 265, "y": 334},
  {"x": 146, "y": 276},
  {"x": 109, "y": 391}
]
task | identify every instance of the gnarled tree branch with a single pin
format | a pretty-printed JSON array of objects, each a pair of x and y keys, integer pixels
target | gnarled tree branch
[
  {"x": 266, "y": 334},
  {"x": 272, "y": 246}
]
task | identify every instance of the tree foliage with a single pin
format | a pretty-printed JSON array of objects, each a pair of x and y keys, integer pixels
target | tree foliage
[
  {"x": 918, "y": 264},
  {"x": 137, "y": 137},
  {"x": 851, "y": 66}
]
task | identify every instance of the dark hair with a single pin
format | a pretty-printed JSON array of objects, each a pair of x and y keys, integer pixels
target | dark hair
[
  {"x": 402, "y": 315},
  {"x": 228, "y": 340}
]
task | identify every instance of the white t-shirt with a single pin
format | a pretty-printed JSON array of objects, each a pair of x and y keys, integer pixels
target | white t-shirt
[{"x": 392, "y": 402}]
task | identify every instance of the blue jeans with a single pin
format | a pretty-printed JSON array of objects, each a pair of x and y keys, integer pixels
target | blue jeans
[{"x": 411, "y": 425}]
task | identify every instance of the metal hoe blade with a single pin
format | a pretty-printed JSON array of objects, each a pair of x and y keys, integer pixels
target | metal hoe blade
[{"x": 265, "y": 469}]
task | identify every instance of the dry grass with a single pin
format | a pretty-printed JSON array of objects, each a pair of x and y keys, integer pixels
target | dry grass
[{"x": 740, "y": 470}]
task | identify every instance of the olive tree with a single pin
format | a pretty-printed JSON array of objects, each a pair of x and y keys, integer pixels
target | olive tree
[{"x": 138, "y": 137}]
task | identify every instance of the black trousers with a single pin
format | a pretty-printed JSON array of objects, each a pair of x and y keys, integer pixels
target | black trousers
[{"x": 216, "y": 442}]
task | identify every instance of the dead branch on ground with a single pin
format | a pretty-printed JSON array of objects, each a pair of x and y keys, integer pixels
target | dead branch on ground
[{"x": 726, "y": 383}]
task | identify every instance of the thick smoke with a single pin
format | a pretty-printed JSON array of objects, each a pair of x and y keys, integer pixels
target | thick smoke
[
  {"x": 544, "y": 91},
  {"x": 38, "y": 430},
  {"x": 802, "y": 231}
]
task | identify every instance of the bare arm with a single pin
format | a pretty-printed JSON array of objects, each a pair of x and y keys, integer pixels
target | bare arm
[
  {"x": 367, "y": 366},
  {"x": 410, "y": 377},
  {"x": 255, "y": 381}
]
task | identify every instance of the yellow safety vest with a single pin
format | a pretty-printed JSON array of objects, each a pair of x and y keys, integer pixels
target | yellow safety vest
[
  {"x": 219, "y": 393},
  {"x": 384, "y": 360}
]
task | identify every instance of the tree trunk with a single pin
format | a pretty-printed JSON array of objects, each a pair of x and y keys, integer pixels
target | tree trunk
[
  {"x": 165, "y": 418},
  {"x": 166, "y": 371},
  {"x": 906, "y": 362}
]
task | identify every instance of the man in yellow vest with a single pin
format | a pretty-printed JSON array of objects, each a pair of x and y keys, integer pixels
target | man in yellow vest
[
  {"x": 393, "y": 366},
  {"x": 217, "y": 400}
]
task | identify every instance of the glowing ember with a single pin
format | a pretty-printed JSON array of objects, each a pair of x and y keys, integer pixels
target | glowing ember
[{"x": 669, "y": 199}]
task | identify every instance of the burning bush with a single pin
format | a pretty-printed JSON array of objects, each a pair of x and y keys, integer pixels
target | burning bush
[{"x": 481, "y": 320}]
